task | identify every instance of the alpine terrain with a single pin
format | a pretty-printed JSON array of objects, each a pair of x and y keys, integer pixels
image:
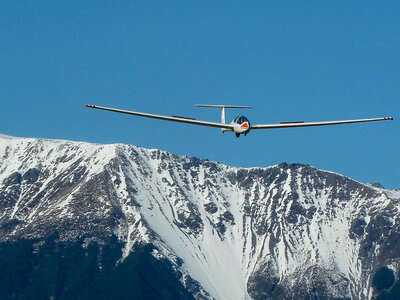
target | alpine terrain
[{"x": 288, "y": 231}]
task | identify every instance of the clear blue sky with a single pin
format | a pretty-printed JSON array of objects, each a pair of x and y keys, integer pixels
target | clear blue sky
[{"x": 289, "y": 60}]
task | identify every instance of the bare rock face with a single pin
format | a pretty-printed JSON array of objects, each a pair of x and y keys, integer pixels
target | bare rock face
[{"x": 289, "y": 231}]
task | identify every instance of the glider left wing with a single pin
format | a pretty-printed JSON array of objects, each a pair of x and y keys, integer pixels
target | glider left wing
[{"x": 307, "y": 124}]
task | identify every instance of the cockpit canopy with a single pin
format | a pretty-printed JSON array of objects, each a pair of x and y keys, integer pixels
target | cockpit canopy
[{"x": 241, "y": 120}]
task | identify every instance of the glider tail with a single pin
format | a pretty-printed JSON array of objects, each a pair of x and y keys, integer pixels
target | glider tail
[{"x": 222, "y": 111}]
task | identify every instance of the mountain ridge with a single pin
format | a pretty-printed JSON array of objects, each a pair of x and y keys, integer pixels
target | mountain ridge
[{"x": 288, "y": 229}]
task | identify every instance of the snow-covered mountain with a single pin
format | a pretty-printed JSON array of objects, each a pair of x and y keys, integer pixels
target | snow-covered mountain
[{"x": 289, "y": 231}]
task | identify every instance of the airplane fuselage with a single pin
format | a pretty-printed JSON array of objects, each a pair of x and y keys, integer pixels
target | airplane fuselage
[{"x": 241, "y": 125}]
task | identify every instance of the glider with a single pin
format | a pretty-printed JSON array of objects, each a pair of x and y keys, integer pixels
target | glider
[{"x": 240, "y": 125}]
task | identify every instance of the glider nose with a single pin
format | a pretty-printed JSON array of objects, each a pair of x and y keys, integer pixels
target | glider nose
[{"x": 242, "y": 127}]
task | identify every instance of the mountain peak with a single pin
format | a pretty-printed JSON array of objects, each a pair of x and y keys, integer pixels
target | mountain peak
[{"x": 240, "y": 233}]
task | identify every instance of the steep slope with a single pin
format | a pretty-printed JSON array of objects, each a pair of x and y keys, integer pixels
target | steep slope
[{"x": 287, "y": 231}]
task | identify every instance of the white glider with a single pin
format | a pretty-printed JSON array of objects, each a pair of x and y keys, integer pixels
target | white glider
[{"x": 240, "y": 125}]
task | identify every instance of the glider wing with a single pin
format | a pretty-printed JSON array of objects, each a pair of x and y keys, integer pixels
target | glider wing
[
  {"x": 167, "y": 118},
  {"x": 307, "y": 124}
]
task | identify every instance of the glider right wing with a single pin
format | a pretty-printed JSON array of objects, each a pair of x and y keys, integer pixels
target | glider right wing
[{"x": 167, "y": 118}]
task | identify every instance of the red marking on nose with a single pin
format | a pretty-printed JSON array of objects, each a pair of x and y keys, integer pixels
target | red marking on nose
[{"x": 245, "y": 125}]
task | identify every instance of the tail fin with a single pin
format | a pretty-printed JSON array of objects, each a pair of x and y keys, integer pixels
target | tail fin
[{"x": 222, "y": 110}]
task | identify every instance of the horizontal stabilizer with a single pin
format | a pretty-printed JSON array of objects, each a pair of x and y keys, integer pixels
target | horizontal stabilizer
[{"x": 221, "y": 106}]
